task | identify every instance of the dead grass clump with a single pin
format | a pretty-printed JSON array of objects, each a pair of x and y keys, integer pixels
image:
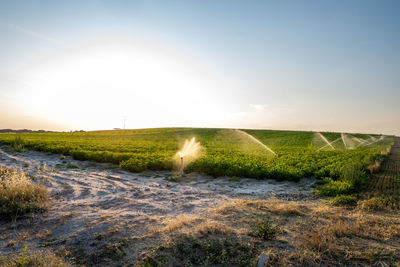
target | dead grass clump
[
  {"x": 213, "y": 227},
  {"x": 179, "y": 222},
  {"x": 18, "y": 195},
  {"x": 351, "y": 236},
  {"x": 374, "y": 204},
  {"x": 375, "y": 167},
  {"x": 43, "y": 234},
  {"x": 324, "y": 237},
  {"x": 377, "y": 228},
  {"x": 302, "y": 257},
  {"x": 289, "y": 209},
  {"x": 274, "y": 206},
  {"x": 230, "y": 208},
  {"x": 321, "y": 239},
  {"x": 154, "y": 218}
]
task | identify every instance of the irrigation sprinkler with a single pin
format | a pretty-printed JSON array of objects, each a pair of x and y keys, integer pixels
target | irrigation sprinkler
[{"x": 181, "y": 156}]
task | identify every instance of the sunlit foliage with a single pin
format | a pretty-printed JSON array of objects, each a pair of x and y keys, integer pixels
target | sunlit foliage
[{"x": 226, "y": 152}]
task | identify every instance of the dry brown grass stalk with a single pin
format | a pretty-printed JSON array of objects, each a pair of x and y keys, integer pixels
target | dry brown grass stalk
[{"x": 18, "y": 195}]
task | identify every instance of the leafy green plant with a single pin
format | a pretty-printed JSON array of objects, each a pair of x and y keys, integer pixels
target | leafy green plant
[
  {"x": 227, "y": 154},
  {"x": 343, "y": 200},
  {"x": 18, "y": 143},
  {"x": 23, "y": 255},
  {"x": 72, "y": 166},
  {"x": 334, "y": 188},
  {"x": 176, "y": 177},
  {"x": 234, "y": 179},
  {"x": 264, "y": 228}
]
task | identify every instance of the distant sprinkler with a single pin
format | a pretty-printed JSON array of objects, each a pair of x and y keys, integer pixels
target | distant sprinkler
[{"x": 181, "y": 156}]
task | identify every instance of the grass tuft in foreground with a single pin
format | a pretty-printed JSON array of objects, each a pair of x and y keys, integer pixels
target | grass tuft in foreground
[
  {"x": 187, "y": 250},
  {"x": 18, "y": 195},
  {"x": 34, "y": 259},
  {"x": 264, "y": 228}
]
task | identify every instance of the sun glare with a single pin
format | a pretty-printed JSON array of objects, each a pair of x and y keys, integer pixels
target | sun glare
[{"x": 99, "y": 85}]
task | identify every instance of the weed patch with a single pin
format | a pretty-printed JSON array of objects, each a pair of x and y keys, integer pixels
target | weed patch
[
  {"x": 187, "y": 250},
  {"x": 72, "y": 166},
  {"x": 33, "y": 259},
  {"x": 264, "y": 228},
  {"x": 18, "y": 195}
]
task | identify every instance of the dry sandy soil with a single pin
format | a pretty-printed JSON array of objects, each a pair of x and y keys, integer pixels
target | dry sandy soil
[
  {"x": 97, "y": 208},
  {"x": 100, "y": 215}
]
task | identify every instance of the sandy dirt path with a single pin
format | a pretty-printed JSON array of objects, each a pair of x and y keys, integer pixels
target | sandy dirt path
[{"x": 95, "y": 205}]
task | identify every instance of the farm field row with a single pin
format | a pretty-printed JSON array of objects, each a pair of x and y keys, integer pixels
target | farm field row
[
  {"x": 384, "y": 187},
  {"x": 224, "y": 151}
]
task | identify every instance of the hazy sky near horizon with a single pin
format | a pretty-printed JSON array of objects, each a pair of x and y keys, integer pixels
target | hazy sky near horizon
[{"x": 307, "y": 65}]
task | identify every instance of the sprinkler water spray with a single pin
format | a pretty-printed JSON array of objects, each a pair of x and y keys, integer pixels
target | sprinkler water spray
[
  {"x": 256, "y": 140},
  {"x": 190, "y": 150}
]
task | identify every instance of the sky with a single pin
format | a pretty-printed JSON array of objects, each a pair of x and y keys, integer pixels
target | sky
[{"x": 331, "y": 65}]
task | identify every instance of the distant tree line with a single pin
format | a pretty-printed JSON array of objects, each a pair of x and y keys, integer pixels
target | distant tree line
[
  {"x": 23, "y": 131},
  {"x": 36, "y": 131}
]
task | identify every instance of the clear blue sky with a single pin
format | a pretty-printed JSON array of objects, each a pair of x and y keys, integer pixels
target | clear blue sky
[{"x": 314, "y": 65}]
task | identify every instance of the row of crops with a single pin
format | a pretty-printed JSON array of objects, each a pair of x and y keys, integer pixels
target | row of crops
[
  {"x": 225, "y": 151},
  {"x": 384, "y": 187}
]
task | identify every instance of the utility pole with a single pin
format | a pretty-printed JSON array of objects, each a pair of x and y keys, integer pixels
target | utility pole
[{"x": 124, "y": 117}]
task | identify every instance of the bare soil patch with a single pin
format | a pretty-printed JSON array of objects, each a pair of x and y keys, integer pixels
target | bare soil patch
[{"x": 100, "y": 215}]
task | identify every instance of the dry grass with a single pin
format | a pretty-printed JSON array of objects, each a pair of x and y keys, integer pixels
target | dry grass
[
  {"x": 176, "y": 223},
  {"x": 314, "y": 234},
  {"x": 373, "y": 204},
  {"x": 354, "y": 236},
  {"x": 43, "y": 234},
  {"x": 213, "y": 228},
  {"x": 37, "y": 259},
  {"x": 18, "y": 195},
  {"x": 289, "y": 209},
  {"x": 375, "y": 167}
]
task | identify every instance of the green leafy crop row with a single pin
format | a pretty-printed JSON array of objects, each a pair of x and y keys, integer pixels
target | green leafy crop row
[{"x": 227, "y": 152}]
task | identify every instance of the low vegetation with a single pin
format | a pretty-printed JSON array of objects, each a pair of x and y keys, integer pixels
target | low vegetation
[
  {"x": 290, "y": 234},
  {"x": 347, "y": 229},
  {"x": 18, "y": 143},
  {"x": 18, "y": 194},
  {"x": 32, "y": 259},
  {"x": 264, "y": 228},
  {"x": 227, "y": 153},
  {"x": 187, "y": 250}
]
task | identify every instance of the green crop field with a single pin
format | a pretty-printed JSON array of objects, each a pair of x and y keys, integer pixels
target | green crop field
[{"x": 225, "y": 151}]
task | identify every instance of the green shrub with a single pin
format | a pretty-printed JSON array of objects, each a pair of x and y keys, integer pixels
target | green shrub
[
  {"x": 176, "y": 177},
  {"x": 343, "y": 200},
  {"x": 72, "y": 166},
  {"x": 264, "y": 228},
  {"x": 234, "y": 179},
  {"x": 18, "y": 143},
  {"x": 354, "y": 174},
  {"x": 334, "y": 188}
]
